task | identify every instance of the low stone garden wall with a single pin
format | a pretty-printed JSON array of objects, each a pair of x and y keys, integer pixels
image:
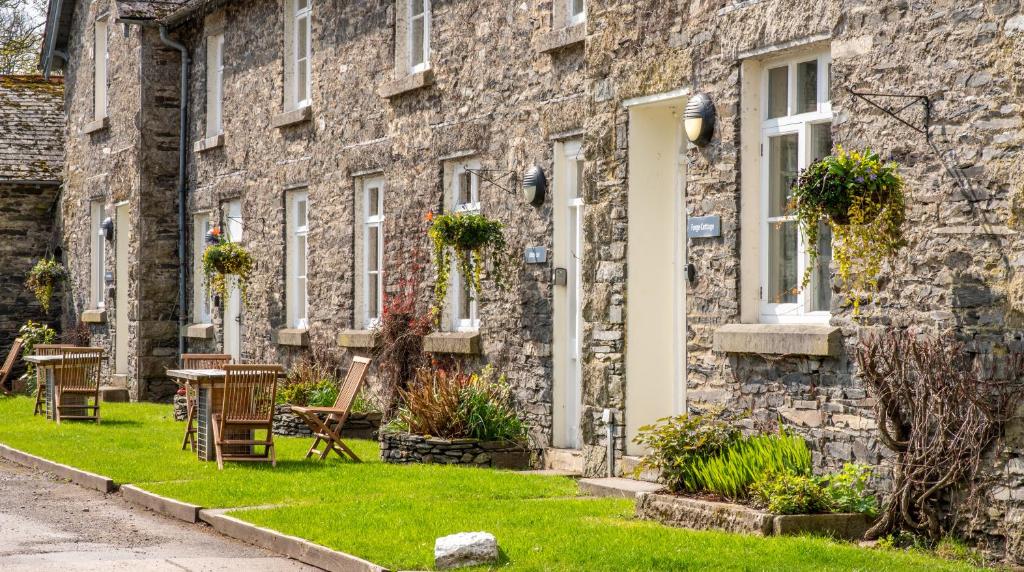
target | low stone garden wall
[
  {"x": 359, "y": 425},
  {"x": 710, "y": 515},
  {"x": 408, "y": 448},
  {"x": 180, "y": 407}
]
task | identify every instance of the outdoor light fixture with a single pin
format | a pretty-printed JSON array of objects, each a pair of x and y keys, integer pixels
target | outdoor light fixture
[
  {"x": 534, "y": 185},
  {"x": 699, "y": 120},
  {"x": 108, "y": 228}
]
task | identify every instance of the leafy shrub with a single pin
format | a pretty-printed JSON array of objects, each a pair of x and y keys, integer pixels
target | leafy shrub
[
  {"x": 32, "y": 334},
  {"x": 314, "y": 379},
  {"x": 399, "y": 352},
  {"x": 321, "y": 393},
  {"x": 847, "y": 490},
  {"x": 731, "y": 473},
  {"x": 789, "y": 493},
  {"x": 455, "y": 404},
  {"x": 676, "y": 443},
  {"x": 364, "y": 403},
  {"x": 43, "y": 278},
  {"x": 78, "y": 335}
]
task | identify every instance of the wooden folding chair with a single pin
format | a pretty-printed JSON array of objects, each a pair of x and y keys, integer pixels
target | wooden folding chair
[
  {"x": 5, "y": 372},
  {"x": 327, "y": 429},
  {"x": 79, "y": 375},
  {"x": 197, "y": 361},
  {"x": 248, "y": 406},
  {"x": 45, "y": 350}
]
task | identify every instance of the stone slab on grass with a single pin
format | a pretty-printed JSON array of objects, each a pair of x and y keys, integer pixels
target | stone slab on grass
[
  {"x": 162, "y": 505},
  {"x": 77, "y": 476},
  {"x": 465, "y": 549},
  {"x": 617, "y": 487},
  {"x": 711, "y": 515}
]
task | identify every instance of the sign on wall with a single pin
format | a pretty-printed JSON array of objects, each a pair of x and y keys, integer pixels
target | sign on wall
[{"x": 704, "y": 226}]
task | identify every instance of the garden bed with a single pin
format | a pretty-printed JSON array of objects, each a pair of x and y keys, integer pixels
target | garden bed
[
  {"x": 398, "y": 447},
  {"x": 702, "y": 514},
  {"x": 359, "y": 425}
]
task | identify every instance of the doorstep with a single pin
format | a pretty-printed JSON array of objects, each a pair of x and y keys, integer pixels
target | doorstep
[
  {"x": 568, "y": 461},
  {"x": 617, "y": 487},
  {"x": 112, "y": 394}
]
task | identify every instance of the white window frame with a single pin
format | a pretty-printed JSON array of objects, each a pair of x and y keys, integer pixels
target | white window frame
[
  {"x": 202, "y": 303},
  {"x": 425, "y": 46},
  {"x": 214, "y": 84},
  {"x": 459, "y": 322},
  {"x": 297, "y": 275},
  {"x": 372, "y": 224},
  {"x": 576, "y": 17},
  {"x": 800, "y": 125},
  {"x": 101, "y": 61},
  {"x": 298, "y": 56},
  {"x": 98, "y": 252}
]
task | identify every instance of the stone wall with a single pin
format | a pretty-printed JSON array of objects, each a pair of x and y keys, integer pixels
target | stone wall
[
  {"x": 358, "y": 425},
  {"x": 408, "y": 448}
]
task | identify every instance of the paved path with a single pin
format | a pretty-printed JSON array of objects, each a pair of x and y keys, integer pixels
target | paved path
[{"x": 51, "y": 525}]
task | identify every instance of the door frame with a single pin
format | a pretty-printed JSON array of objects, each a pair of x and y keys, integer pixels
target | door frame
[
  {"x": 122, "y": 242},
  {"x": 233, "y": 223}
]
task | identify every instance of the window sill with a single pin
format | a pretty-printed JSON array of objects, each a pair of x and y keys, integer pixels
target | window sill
[
  {"x": 452, "y": 343},
  {"x": 298, "y": 337},
  {"x": 364, "y": 339},
  {"x": 411, "y": 82},
  {"x": 779, "y": 339},
  {"x": 208, "y": 143},
  {"x": 199, "y": 331},
  {"x": 293, "y": 117},
  {"x": 562, "y": 38},
  {"x": 94, "y": 316},
  {"x": 98, "y": 125}
]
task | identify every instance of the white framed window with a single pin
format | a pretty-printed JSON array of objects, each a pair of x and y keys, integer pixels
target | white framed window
[
  {"x": 101, "y": 58},
  {"x": 419, "y": 35},
  {"x": 214, "y": 84},
  {"x": 98, "y": 249},
  {"x": 297, "y": 266},
  {"x": 795, "y": 131},
  {"x": 202, "y": 223},
  {"x": 298, "y": 53},
  {"x": 464, "y": 197},
  {"x": 371, "y": 258},
  {"x": 577, "y": 10}
]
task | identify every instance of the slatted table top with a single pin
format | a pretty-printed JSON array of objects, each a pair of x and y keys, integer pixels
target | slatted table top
[
  {"x": 44, "y": 360},
  {"x": 197, "y": 375}
]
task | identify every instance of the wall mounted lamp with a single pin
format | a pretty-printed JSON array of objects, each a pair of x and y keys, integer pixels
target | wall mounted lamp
[
  {"x": 535, "y": 184},
  {"x": 699, "y": 120},
  {"x": 108, "y": 228}
]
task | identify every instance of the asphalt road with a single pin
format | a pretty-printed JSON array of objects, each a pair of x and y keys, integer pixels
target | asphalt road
[{"x": 53, "y": 525}]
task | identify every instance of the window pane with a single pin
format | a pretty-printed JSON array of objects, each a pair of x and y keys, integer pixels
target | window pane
[
  {"x": 463, "y": 190},
  {"x": 465, "y": 299},
  {"x": 821, "y": 291},
  {"x": 373, "y": 201},
  {"x": 828, "y": 83},
  {"x": 577, "y": 7},
  {"x": 782, "y": 171},
  {"x": 417, "y": 7},
  {"x": 821, "y": 140},
  {"x": 416, "y": 46},
  {"x": 782, "y": 263},
  {"x": 778, "y": 92},
  {"x": 574, "y": 192},
  {"x": 807, "y": 86},
  {"x": 300, "y": 299},
  {"x": 372, "y": 296},
  {"x": 300, "y": 255},
  {"x": 372, "y": 248},
  {"x": 300, "y": 214}
]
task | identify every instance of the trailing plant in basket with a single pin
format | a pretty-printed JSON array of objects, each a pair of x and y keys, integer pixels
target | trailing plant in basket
[
  {"x": 43, "y": 278},
  {"x": 861, "y": 199},
  {"x": 473, "y": 238},
  {"x": 223, "y": 259}
]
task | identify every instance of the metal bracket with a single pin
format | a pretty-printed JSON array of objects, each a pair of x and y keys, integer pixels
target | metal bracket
[
  {"x": 895, "y": 113},
  {"x": 495, "y": 179}
]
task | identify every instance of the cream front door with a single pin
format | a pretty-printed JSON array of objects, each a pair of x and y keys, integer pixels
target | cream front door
[
  {"x": 233, "y": 305},
  {"x": 122, "y": 226}
]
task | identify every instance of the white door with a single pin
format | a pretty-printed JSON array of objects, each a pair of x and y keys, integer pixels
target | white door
[
  {"x": 568, "y": 255},
  {"x": 122, "y": 237},
  {"x": 656, "y": 259},
  {"x": 233, "y": 307}
]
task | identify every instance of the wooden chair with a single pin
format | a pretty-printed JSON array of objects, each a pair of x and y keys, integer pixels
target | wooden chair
[
  {"x": 327, "y": 429},
  {"x": 45, "y": 350},
  {"x": 79, "y": 375},
  {"x": 5, "y": 371},
  {"x": 248, "y": 406},
  {"x": 197, "y": 361}
]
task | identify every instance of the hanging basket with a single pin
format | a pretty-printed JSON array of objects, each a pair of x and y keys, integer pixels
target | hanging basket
[
  {"x": 224, "y": 259},
  {"x": 474, "y": 239},
  {"x": 43, "y": 278}
]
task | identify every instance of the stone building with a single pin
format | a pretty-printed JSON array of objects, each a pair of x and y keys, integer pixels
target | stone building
[
  {"x": 31, "y": 166},
  {"x": 316, "y": 131}
]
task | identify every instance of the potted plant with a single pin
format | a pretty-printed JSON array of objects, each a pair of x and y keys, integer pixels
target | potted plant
[
  {"x": 224, "y": 258},
  {"x": 474, "y": 239},
  {"x": 43, "y": 278},
  {"x": 861, "y": 199}
]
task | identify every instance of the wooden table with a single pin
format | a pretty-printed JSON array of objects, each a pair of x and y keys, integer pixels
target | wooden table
[
  {"x": 49, "y": 364},
  {"x": 209, "y": 384}
]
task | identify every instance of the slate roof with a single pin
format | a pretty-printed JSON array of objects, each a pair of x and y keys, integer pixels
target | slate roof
[
  {"x": 147, "y": 9},
  {"x": 31, "y": 128}
]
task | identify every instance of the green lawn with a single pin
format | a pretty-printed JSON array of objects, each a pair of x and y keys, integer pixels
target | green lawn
[{"x": 391, "y": 514}]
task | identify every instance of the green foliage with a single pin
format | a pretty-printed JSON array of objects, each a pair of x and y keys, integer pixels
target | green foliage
[
  {"x": 789, "y": 493},
  {"x": 472, "y": 238},
  {"x": 43, "y": 278},
  {"x": 846, "y": 490},
  {"x": 364, "y": 403},
  {"x": 32, "y": 334},
  {"x": 675, "y": 443},
  {"x": 861, "y": 199},
  {"x": 731, "y": 473},
  {"x": 456, "y": 405},
  {"x": 321, "y": 393},
  {"x": 952, "y": 548},
  {"x": 227, "y": 259}
]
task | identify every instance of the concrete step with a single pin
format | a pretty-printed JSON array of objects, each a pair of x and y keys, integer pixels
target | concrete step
[
  {"x": 617, "y": 487},
  {"x": 626, "y": 466},
  {"x": 111, "y": 394},
  {"x": 118, "y": 380},
  {"x": 564, "y": 460}
]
